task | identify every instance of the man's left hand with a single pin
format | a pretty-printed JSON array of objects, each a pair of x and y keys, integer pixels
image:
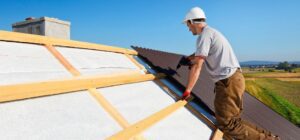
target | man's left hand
[{"x": 186, "y": 95}]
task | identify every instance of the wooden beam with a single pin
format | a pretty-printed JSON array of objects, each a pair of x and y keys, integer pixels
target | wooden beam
[
  {"x": 46, "y": 88},
  {"x": 109, "y": 108},
  {"x": 188, "y": 106},
  {"x": 37, "y": 39},
  {"x": 218, "y": 132},
  {"x": 112, "y": 111},
  {"x": 62, "y": 60},
  {"x": 218, "y": 135},
  {"x": 142, "y": 125},
  {"x": 140, "y": 66}
]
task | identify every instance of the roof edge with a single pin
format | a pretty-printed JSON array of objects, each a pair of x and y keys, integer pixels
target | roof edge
[{"x": 44, "y": 40}]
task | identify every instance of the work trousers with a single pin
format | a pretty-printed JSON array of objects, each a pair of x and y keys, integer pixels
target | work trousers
[{"x": 228, "y": 108}]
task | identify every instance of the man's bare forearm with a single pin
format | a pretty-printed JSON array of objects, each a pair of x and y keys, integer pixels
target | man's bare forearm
[{"x": 193, "y": 76}]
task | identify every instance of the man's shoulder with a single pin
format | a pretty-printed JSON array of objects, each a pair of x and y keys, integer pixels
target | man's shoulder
[
  {"x": 209, "y": 29},
  {"x": 213, "y": 32}
]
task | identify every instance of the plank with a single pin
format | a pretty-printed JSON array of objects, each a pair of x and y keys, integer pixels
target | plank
[
  {"x": 142, "y": 125},
  {"x": 109, "y": 108},
  {"x": 37, "y": 39},
  {"x": 218, "y": 135},
  {"x": 194, "y": 111},
  {"x": 112, "y": 111},
  {"x": 53, "y": 87},
  {"x": 140, "y": 66},
  {"x": 188, "y": 106},
  {"x": 62, "y": 60}
]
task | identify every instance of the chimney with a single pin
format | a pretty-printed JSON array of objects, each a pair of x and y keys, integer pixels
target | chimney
[{"x": 46, "y": 26}]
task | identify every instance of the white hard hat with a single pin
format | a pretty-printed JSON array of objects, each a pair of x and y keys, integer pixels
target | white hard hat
[{"x": 194, "y": 13}]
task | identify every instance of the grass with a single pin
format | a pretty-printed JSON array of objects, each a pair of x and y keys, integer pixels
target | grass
[
  {"x": 276, "y": 74},
  {"x": 288, "y": 79},
  {"x": 297, "y": 69},
  {"x": 281, "y": 96}
]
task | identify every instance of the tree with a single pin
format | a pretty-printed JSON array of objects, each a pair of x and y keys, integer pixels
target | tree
[{"x": 284, "y": 65}]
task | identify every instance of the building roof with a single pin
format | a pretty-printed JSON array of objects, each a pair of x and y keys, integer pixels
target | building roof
[
  {"x": 63, "y": 89},
  {"x": 254, "y": 110}
]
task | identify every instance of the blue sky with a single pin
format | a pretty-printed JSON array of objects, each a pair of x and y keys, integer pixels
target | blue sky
[{"x": 257, "y": 29}]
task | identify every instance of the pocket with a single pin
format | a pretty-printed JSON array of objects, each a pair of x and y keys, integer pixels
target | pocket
[{"x": 241, "y": 104}]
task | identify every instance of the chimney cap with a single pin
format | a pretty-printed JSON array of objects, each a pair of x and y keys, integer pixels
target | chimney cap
[{"x": 29, "y": 18}]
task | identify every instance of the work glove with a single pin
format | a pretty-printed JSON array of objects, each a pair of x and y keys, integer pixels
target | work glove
[{"x": 185, "y": 95}]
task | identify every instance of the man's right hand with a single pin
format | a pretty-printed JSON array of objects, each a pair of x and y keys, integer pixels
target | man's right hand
[
  {"x": 184, "y": 61},
  {"x": 191, "y": 56}
]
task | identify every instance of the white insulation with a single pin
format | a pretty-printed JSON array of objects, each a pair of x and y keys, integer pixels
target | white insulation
[
  {"x": 78, "y": 115},
  {"x": 137, "y": 101},
  {"x": 89, "y": 62},
  {"x": 73, "y": 116},
  {"x": 20, "y": 62}
]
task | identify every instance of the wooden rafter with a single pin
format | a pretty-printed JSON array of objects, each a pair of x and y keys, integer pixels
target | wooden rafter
[
  {"x": 188, "y": 106},
  {"x": 141, "y": 67},
  {"x": 62, "y": 60},
  {"x": 112, "y": 111},
  {"x": 218, "y": 135},
  {"x": 142, "y": 125},
  {"x": 37, "y": 39},
  {"x": 109, "y": 108},
  {"x": 46, "y": 88}
]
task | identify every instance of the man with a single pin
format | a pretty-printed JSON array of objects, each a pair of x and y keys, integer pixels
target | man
[{"x": 215, "y": 53}]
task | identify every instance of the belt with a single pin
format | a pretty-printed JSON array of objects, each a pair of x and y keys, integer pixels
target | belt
[{"x": 226, "y": 79}]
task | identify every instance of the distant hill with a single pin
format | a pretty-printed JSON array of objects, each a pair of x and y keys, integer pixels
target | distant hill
[
  {"x": 257, "y": 62},
  {"x": 294, "y": 62}
]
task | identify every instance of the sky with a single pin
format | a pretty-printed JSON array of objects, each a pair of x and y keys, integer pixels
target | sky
[{"x": 257, "y": 29}]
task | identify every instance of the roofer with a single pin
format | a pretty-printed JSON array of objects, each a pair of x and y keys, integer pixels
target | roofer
[{"x": 215, "y": 53}]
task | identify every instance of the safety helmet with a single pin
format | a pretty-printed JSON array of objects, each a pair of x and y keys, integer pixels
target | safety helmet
[{"x": 194, "y": 13}]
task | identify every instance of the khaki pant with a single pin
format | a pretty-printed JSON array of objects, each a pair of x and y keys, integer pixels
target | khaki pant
[{"x": 228, "y": 108}]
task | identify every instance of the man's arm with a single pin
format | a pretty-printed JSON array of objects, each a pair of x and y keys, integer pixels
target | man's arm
[
  {"x": 194, "y": 72},
  {"x": 193, "y": 75}
]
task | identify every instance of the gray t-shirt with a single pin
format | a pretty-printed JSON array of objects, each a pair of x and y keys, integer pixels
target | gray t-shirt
[{"x": 220, "y": 60}]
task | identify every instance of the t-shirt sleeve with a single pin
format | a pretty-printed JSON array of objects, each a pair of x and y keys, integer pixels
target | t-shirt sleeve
[{"x": 203, "y": 45}]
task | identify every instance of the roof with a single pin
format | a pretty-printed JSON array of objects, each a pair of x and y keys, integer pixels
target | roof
[
  {"x": 63, "y": 89},
  {"x": 254, "y": 110}
]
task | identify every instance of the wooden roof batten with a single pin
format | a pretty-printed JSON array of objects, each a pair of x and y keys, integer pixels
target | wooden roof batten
[
  {"x": 60, "y": 86},
  {"x": 43, "y": 40}
]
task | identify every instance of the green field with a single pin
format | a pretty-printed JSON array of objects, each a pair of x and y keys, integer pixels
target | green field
[
  {"x": 297, "y": 69},
  {"x": 275, "y": 74},
  {"x": 281, "y": 96}
]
